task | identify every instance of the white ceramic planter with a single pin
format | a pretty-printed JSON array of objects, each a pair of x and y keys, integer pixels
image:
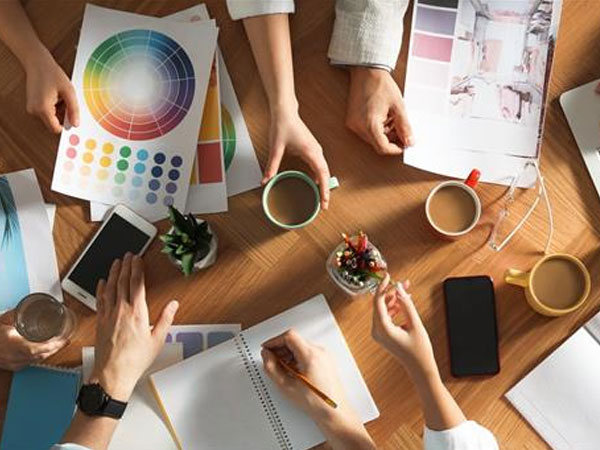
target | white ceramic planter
[{"x": 208, "y": 260}]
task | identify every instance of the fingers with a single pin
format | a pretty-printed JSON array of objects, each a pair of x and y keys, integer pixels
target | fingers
[
  {"x": 137, "y": 286},
  {"x": 293, "y": 342},
  {"x": 322, "y": 174},
  {"x": 380, "y": 141},
  {"x": 383, "y": 285},
  {"x": 100, "y": 302},
  {"x": 402, "y": 125},
  {"x": 124, "y": 280},
  {"x": 272, "y": 367},
  {"x": 70, "y": 99},
  {"x": 46, "y": 349},
  {"x": 273, "y": 163},
  {"x": 405, "y": 300},
  {"x": 48, "y": 117},
  {"x": 110, "y": 292},
  {"x": 8, "y": 318},
  {"x": 159, "y": 332}
]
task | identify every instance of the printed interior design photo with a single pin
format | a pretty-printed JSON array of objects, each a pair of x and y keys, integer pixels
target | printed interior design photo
[{"x": 494, "y": 75}]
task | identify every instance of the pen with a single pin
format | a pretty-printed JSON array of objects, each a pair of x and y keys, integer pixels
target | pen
[{"x": 307, "y": 382}]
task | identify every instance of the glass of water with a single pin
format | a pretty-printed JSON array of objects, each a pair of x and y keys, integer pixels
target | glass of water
[{"x": 40, "y": 317}]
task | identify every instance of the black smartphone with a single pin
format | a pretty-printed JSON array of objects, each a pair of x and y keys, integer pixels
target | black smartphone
[{"x": 472, "y": 327}]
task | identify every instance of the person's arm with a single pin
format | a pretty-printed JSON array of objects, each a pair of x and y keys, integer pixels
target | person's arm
[
  {"x": 267, "y": 26},
  {"x": 16, "y": 352},
  {"x": 47, "y": 84},
  {"x": 367, "y": 38},
  {"x": 126, "y": 346},
  {"x": 341, "y": 426},
  {"x": 446, "y": 425}
]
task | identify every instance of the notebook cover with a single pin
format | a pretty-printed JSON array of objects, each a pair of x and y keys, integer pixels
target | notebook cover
[{"x": 40, "y": 406}]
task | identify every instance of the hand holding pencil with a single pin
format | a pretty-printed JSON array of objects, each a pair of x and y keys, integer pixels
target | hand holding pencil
[{"x": 306, "y": 375}]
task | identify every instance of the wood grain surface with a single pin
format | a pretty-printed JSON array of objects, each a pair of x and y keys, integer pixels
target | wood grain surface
[{"x": 262, "y": 271}]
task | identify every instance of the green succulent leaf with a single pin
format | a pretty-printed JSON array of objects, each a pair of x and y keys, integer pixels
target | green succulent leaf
[{"x": 187, "y": 263}]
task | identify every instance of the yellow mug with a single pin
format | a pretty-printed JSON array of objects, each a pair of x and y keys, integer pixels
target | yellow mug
[{"x": 524, "y": 279}]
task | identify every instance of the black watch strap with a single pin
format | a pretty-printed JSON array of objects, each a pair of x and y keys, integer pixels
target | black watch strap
[
  {"x": 94, "y": 401},
  {"x": 114, "y": 408}
]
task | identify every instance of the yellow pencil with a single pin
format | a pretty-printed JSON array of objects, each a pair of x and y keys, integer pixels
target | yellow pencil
[{"x": 307, "y": 382}]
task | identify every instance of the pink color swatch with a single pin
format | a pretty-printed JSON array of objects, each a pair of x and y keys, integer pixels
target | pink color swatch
[{"x": 432, "y": 47}]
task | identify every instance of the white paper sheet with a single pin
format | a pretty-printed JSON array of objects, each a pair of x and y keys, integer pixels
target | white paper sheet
[
  {"x": 142, "y": 82},
  {"x": 582, "y": 108},
  {"x": 51, "y": 211},
  {"x": 27, "y": 256},
  {"x": 476, "y": 86},
  {"x": 560, "y": 398}
]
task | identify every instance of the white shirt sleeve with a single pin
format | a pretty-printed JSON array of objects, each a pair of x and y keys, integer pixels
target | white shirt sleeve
[
  {"x": 68, "y": 447},
  {"x": 367, "y": 32},
  {"x": 240, "y": 9},
  {"x": 466, "y": 436}
]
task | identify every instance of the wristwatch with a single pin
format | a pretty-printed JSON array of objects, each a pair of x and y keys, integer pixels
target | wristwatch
[{"x": 94, "y": 401}]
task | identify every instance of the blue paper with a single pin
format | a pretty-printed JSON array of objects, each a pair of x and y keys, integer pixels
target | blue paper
[{"x": 40, "y": 407}]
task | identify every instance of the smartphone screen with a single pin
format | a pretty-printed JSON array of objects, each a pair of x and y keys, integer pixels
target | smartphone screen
[
  {"x": 472, "y": 329},
  {"x": 116, "y": 238}
]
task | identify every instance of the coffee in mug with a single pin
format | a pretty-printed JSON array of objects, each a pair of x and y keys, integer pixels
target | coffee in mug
[
  {"x": 292, "y": 200},
  {"x": 557, "y": 284},
  {"x": 453, "y": 208}
]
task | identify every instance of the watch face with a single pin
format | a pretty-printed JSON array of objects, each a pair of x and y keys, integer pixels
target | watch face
[{"x": 91, "y": 398}]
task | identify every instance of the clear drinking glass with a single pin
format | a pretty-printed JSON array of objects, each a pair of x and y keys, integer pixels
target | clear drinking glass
[
  {"x": 40, "y": 317},
  {"x": 343, "y": 281}
]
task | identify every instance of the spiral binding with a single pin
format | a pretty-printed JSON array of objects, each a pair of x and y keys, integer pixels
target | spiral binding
[{"x": 258, "y": 382}]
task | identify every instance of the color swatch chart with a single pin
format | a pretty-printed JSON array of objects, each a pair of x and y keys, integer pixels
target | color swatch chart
[
  {"x": 141, "y": 82},
  {"x": 197, "y": 338},
  {"x": 122, "y": 172},
  {"x": 432, "y": 41}
]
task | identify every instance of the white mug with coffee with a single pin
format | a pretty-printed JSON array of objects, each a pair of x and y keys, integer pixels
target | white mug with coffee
[{"x": 453, "y": 208}]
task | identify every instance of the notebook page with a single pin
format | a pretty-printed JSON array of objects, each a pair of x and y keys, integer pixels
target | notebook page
[
  {"x": 314, "y": 321},
  {"x": 560, "y": 397},
  {"x": 593, "y": 327},
  {"x": 211, "y": 402}
]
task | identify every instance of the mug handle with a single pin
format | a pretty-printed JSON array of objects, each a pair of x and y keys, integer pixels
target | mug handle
[
  {"x": 473, "y": 178},
  {"x": 517, "y": 277},
  {"x": 334, "y": 183}
]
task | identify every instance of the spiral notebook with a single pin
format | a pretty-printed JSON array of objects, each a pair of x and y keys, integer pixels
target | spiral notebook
[
  {"x": 560, "y": 398},
  {"x": 222, "y": 399},
  {"x": 40, "y": 407}
]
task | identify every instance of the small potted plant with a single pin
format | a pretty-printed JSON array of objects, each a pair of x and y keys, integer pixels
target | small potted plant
[
  {"x": 190, "y": 242},
  {"x": 356, "y": 265}
]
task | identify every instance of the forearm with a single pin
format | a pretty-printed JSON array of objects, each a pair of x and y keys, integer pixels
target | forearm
[
  {"x": 93, "y": 432},
  {"x": 269, "y": 37},
  {"x": 439, "y": 407},
  {"x": 18, "y": 34}
]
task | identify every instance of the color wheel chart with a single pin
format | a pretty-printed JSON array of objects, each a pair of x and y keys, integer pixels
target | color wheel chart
[
  {"x": 139, "y": 84},
  {"x": 142, "y": 83}
]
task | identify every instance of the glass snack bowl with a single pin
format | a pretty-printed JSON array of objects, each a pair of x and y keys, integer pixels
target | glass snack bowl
[{"x": 356, "y": 265}]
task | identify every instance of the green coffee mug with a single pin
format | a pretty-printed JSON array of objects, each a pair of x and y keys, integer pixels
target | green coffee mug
[{"x": 333, "y": 183}]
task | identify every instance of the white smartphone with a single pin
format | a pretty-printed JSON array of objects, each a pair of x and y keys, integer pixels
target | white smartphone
[{"x": 123, "y": 231}]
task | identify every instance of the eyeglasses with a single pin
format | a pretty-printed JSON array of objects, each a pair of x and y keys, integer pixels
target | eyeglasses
[{"x": 509, "y": 199}]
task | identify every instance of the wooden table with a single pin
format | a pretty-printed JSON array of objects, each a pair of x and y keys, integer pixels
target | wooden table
[{"x": 262, "y": 271}]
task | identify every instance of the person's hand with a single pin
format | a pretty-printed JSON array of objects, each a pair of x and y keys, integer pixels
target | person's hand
[
  {"x": 47, "y": 87},
  {"x": 376, "y": 111},
  {"x": 289, "y": 134},
  {"x": 125, "y": 343},
  {"x": 317, "y": 365},
  {"x": 409, "y": 341},
  {"x": 17, "y": 352}
]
